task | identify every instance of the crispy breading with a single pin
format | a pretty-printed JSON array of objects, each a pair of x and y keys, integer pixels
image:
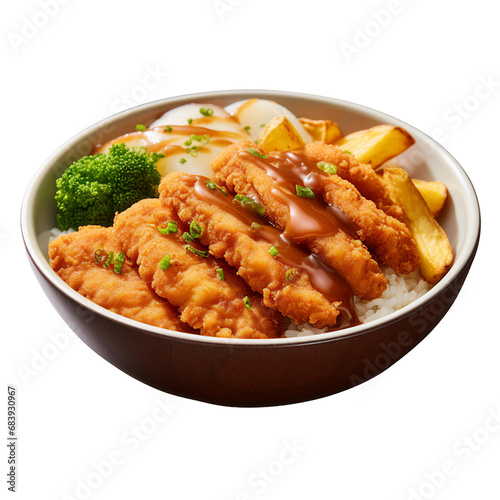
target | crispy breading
[
  {"x": 227, "y": 237},
  {"x": 388, "y": 238},
  {"x": 191, "y": 282},
  {"x": 343, "y": 253},
  {"x": 73, "y": 258},
  {"x": 371, "y": 185}
]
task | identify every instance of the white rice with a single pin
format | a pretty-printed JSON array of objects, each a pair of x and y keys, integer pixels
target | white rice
[
  {"x": 401, "y": 291},
  {"x": 55, "y": 232}
]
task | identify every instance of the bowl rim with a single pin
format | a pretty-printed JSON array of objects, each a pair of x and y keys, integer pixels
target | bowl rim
[{"x": 38, "y": 259}]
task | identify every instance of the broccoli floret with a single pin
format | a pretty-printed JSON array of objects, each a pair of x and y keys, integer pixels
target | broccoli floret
[{"x": 94, "y": 188}]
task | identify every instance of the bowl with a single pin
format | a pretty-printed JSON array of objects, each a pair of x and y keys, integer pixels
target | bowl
[{"x": 253, "y": 372}]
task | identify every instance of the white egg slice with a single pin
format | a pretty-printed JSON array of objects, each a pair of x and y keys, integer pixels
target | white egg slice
[
  {"x": 186, "y": 146},
  {"x": 254, "y": 114}
]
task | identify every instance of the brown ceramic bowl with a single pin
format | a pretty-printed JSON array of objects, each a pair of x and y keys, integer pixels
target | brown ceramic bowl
[{"x": 255, "y": 372}]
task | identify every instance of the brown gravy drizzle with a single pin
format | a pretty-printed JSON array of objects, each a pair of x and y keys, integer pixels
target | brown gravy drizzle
[
  {"x": 217, "y": 137},
  {"x": 308, "y": 217},
  {"x": 291, "y": 252}
]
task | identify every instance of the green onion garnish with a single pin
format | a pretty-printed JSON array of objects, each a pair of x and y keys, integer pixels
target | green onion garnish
[
  {"x": 206, "y": 112},
  {"x": 187, "y": 237},
  {"x": 170, "y": 229},
  {"x": 195, "y": 230},
  {"x": 220, "y": 272},
  {"x": 247, "y": 128},
  {"x": 304, "y": 192},
  {"x": 188, "y": 142},
  {"x": 164, "y": 263},
  {"x": 329, "y": 168},
  {"x": 255, "y": 152},
  {"x": 246, "y": 301},
  {"x": 290, "y": 274},
  {"x": 213, "y": 186},
  {"x": 119, "y": 263},
  {"x": 255, "y": 226},
  {"x": 111, "y": 258},
  {"x": 273, "y": 251},
  {"x": 168, "y": 128},
  {"x": 98, "y": 255},
  {"x": 347, "y": 151},
  {"x": 201, "y": 253},
  {"x": 249, "y": 203},
  {"x": 182, "y": 160},
  {"x": 141, "y": 128},
  {"x": 190, "y": 120}
]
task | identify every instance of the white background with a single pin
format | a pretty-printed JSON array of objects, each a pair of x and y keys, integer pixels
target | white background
[{"x": 424, "y": 62}]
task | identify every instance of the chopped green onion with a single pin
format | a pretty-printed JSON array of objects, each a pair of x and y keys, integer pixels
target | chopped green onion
[
  {"x": 347, "y": 151},
  {"x": 168, "y": 129},
  {"x": 220, "y": 272},
  {"x": 170, "y": 229},
  {"x": 255, "y": 152},
  {"x": 182, "y": 160},
  {"x": 188, "y": 142},
  {"x": 141, "y": 128},
  {"x": 247, "y": 128},
  {"x": 190, "y": 120},
  {"x": 246, "y": 301},
  {"x": 249, "y": 203},
  {"x": 187, "y": 237},
  {"x": 273, "y": 251},
  {"x": 262, "y": 125},
  {"x": 212, "y": 185},
  {"x": 195, "y": 230},
  {"x": 304, "y": 192},
  {"x": 119, "y": 263},
  {"x": 98, "y": 255},
  {"x": 164, "y": 263},
  {"x": 255, "y": 226},
  {"x": 206, "y": 112},
  {"x": 201, "y": 253},
  {"x": 290, "y": 274},
  {"x": 329, "y": 168},
  {"x": 111, "y": 258}
]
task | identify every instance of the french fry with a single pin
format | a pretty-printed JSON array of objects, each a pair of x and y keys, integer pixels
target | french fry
[
  {"x": 433, "y": 245},
  {"x": 280, "y": 135},
  {"x": 376, "y": 145},
  {"x": 434, "y": 193},
  {"x": 324, "y": 131}
]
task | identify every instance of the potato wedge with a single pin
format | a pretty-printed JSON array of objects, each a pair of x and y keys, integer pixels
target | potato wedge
[
  {"x": 376, "y": 145},
  {"x": 433, "y": 192},
  {"x": 433, "y": 245},
  {"x": 280, "y": 135},
  {"x": 324, "y": 131}
]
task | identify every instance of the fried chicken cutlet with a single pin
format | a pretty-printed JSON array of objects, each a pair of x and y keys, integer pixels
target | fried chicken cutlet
[
  {"x": 228, "y": 231},
  {"x": 74, "y": 258},
  {"x": 241, "y": 174},
  {"x": 371, "y": 185},
  {"x": 207, "y": 292},
  {"x": 385, "y": 236}
]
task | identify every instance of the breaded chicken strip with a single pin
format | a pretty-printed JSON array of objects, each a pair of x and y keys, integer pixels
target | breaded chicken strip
[
  {"x": 385, "y": 236},
  {"x": 73, "y": 257},
  {"x": 388, "y": 238},
  {"x": 371, "y": 185},
  {"x": 207, "y": 292},
  {"x": 347, "y": 255},
  {"x": 228, "y": 237}
]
